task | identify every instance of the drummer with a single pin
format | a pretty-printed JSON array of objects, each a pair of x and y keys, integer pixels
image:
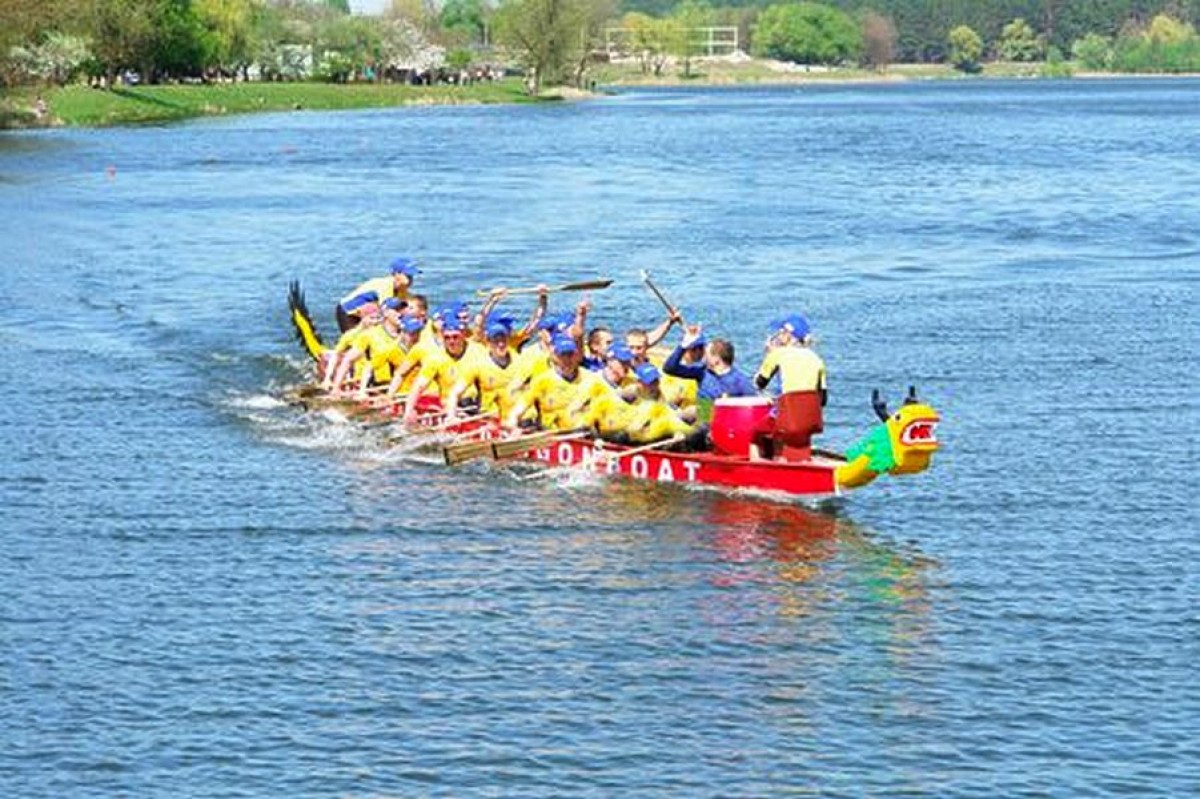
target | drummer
[{"x": 790, "y": 356}]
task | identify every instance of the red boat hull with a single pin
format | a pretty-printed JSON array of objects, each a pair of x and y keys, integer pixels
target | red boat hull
[{"x": 814, "y": 477}]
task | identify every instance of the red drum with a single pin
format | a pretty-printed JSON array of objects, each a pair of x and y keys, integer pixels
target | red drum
[{"x": 736, "y": 421}]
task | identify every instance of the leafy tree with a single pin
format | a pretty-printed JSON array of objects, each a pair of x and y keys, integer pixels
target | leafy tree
[
  {"x": 684, "y": 43},
  {"x": 543, "y": 35},
  {"x": 965, "y": 49},
  {"x": 230, "y": 26},
  {"x": 1093, "y": 51},
  {"x": 594, "y": 17},
  {"x": 465, "y": 17},
  {"x": 1018, "y": 42},
  {"x": 340, "y": 6},
  {"x": 1165, "y": 29},
  {"x": 57, "y": 59},
  {"x": 879, "y": 41},
  {"x": 807, "y": 33},
  {"x": 645, "y": 41},
  {"x": 420, "y": 14}
]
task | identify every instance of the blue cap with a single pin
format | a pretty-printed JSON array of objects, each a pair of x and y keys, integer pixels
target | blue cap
[
  {"x": 621, "y": 353},
  {"x": 359, "y": 300},
  {"x": 496, "y": 328},
  {"x": 553, "y": 322},
  {"x": 647, "y": 374},
  {"x": 405, "y": 266},
  {"x": 795, "y": 324},
  {"x": 565, "y": 345},
  {"x": 500, "y": 319},
  {"x": 450, "y": 311},
  {"x": 411, "y": 324},
  {"x": 452, "y": 324},
  {"x": 394, "y": 303}
]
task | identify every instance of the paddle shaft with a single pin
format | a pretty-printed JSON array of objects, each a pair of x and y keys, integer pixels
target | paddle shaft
[
  {"x": 671, "y": 309},
  {"x": 586, "y": 285},
  {"x": 666, "y": 442}
]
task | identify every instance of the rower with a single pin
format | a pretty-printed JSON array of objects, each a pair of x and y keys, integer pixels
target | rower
[
  {"x": 381, "y": 363},
  {"x": 599, "y": 342},
  {"x": 713, "y": 372},
  {"x": 652, "y": 418},
  {"x": 348, "y": 351},
  {"x": 444, "y": 368},
  {"x": 558, "y": 394},
  {"x": 427, "y": 350},
  {"x": 609, "y": 398},
  {"x": 403, "y": 272},
  {"x": 489, "y": 375}
]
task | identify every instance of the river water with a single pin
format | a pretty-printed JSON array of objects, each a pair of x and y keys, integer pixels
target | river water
[{"x": 207, "y": 592}]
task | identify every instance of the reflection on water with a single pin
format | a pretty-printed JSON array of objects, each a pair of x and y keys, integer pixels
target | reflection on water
[{"x": 817, "y": 566}]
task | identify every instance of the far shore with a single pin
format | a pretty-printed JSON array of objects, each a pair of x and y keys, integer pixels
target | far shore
[{"x": 81, "y": 106}]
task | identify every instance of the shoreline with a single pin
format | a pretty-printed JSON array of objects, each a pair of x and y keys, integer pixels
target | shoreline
[{"x": 79, "y": 106}]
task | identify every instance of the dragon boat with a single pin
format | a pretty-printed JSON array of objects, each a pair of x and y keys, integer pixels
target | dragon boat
[{"x": 759, "y": 444}]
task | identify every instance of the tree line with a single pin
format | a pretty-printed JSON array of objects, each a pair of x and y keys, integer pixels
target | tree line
[
  {"x": 58, "y": 40},
  {"x": 923, "y": 26},
  {"x": 556, "y": 41}
]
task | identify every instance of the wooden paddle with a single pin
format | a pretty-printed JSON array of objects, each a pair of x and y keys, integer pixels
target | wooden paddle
[
  {"x": 460, "y": 420},
  {"x": 466, "y": 451},
  {"x": 666, "y": 442},
  {"x": 671, "y": 309},
  {"x": 512, "y": 447},
  {"x": 585, "y": 285}
]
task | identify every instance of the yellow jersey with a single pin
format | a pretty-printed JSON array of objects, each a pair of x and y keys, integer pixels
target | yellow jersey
[
  {"x": 799, "y": 368},
  {"x": 445, "y": 370},
  {"x": 383, "y": 286},
  {"x": 491, "y": 381},
  {"x": 561, "y": 404},
  {"x": 530, "y": 362},
  {"x": 607, "y": 411},
  {"x": 679, "y": 392},
  {"x": 376, "y": 343},
  {"x": 652, "y": 420}
]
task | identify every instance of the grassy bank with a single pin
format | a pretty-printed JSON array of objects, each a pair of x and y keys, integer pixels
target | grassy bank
[{"x": 81, "y": 106}]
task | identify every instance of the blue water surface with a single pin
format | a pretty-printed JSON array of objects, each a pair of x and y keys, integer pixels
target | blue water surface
[{"x": 208, "y": 592}]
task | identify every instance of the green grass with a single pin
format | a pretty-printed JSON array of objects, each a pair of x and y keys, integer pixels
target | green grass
[{"x": 81, "y": 106}]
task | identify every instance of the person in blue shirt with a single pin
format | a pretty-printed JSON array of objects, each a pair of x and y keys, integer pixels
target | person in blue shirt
[{"x": 715, "y": 374}]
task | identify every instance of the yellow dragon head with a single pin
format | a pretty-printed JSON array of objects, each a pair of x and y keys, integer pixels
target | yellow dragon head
[{"x": 912, "y": 431}]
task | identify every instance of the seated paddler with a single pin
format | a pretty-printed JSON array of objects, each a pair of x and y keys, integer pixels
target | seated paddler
[
  {"x": 490, "y": 375},
  {"x": 651, "y": 418},
  {"x": 710, "y": 365},
  {"x": 443, "y": 368},
  {"x": 558, "y": 394}
]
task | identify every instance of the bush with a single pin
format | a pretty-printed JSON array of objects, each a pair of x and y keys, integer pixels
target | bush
[
  {"x": 1056, "y": 66},
  {"x": 1018, "y": 42},
  {"x": 807, "y": 33},
  {"x": 1093, "y": 51},
  {"x": 965, "y": 49}
]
